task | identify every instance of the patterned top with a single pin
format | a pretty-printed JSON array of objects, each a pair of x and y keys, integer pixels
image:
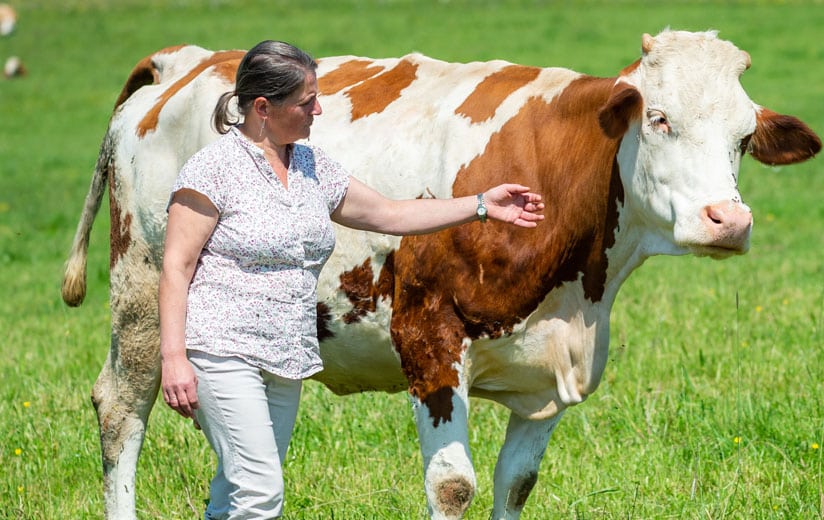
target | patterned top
[{"x": 253, "y": 294}]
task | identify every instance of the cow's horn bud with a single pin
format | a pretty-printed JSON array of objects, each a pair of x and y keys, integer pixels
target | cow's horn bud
[{"x": 647, "y": 41}]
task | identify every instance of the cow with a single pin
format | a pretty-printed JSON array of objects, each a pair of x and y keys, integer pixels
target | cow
[
  {"x": 14, "y": 68},
  {"x": 645, "y": 163},
  {"x": 8, "y": 19}
]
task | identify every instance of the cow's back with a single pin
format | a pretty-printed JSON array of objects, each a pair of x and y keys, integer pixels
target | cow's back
[{"x": 405, "y": 126}]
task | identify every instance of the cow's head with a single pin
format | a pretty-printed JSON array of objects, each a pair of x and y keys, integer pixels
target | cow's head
[{"x": 686, "y": 122}]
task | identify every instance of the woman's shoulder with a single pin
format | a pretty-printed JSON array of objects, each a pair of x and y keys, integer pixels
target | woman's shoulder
[{"x": 217, "y": 150}]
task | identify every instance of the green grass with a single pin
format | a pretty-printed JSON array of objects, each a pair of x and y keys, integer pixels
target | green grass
[{"x": 711, "y": 403}]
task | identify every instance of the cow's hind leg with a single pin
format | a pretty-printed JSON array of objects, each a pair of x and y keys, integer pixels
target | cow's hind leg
[
  {"x": 516, "y": 471},
  {"x": 126, "y": 388},
  {"x": 449, "y": 478}
]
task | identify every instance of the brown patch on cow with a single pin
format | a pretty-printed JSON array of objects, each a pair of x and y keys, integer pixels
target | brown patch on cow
[
  {"x": 439, "y": 404},
  {"x": 482, "y": 103},
  {"x": 149, "y": 121},
  {"x": 362, "y": 291},
  {"x": 386, "y": 279},
  {"x": 560, "y": 151},
  {"x": 346, "y": 75},
  {"x": 454, "y": 496},
  {"x": 228, "y": 69},
  {"x": 520, "y": 491},
  {"x": 629, "y": 69},
  {"x": 781, "y": 139},
  {"x": 120, "y": 235},
  {"x": 426, "y": 331},
  {"x": 144, "y": 73},
  {"x": 324, "y": 318},
  {"x": 358, "y": 287},
  {"x": 378, "y": 92}
]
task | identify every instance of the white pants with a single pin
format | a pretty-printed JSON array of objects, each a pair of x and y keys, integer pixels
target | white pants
[{"x": 247, "y": 415}]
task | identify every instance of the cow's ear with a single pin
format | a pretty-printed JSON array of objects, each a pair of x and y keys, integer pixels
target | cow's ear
[
  {"x": 780, "y": 139},
  {"x": 623, "y": 106}
]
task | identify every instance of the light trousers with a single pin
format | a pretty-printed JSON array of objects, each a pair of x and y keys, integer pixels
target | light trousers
[{"x": 248, "y": 416}]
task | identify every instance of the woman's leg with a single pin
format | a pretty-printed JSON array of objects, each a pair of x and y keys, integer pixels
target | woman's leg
[
  {"x": 283, "y": 395},
  {"x": 239, "y": 413}
]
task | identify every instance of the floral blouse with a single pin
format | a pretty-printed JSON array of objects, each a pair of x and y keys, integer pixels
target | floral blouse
[{"x": 253, "y": 294}]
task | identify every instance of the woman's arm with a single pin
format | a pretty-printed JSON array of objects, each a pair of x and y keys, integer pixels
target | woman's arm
[
  {"x": 192, "y": 218},
  {"x": 364, "y": 208}
]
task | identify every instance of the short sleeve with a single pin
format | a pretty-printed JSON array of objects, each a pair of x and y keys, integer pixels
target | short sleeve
[
  {"x": 202, "y": 173},
  {"x": 333, "y": 178}
]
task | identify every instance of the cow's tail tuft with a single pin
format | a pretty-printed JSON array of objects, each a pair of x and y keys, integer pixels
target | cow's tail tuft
[{"x": 74, "y": 274}]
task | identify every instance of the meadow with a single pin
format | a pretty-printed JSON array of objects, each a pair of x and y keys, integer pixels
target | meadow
[{"x": 711, "y": 404}]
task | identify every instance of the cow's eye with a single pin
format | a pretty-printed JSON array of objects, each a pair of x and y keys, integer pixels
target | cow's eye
[{"x": 658, "y": 121}]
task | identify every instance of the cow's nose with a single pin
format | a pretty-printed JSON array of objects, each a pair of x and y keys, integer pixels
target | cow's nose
[{"x": 729, "y": 224}]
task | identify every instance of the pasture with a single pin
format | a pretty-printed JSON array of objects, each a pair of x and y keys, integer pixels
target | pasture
[{"x": 711, "y": 404}]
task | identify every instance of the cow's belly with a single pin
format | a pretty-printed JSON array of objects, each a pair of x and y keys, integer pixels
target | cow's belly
[
  {"x": 360, "y": 356},
  {"x": 552, "y": 360}
]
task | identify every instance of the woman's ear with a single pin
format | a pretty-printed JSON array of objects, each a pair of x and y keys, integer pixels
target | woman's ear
[{"x": 261, "y": 107}]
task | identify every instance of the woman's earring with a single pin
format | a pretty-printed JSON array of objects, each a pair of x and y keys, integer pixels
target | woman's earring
[{"x": 262, "y": 126}]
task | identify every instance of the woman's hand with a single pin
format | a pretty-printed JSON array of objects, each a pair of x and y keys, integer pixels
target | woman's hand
[
  {"x": 179, "y": 385},
  {"x": 515, "y": 204}
]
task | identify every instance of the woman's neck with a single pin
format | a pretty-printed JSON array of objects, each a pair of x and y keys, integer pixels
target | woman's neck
[{"x": 263, "y": 141}]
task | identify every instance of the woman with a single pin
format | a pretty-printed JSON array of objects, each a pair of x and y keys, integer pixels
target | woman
[{"x": 249, "y": 230}]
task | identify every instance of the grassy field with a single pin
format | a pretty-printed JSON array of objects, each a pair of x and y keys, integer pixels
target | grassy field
[{"x": 711, "y": 403}]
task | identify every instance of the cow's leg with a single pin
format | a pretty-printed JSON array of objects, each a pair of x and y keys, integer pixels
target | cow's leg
[
  {"x": 126, "y": 388},
  {"x": 517, "y": 469},
  {"x": 449, "y": 478}
]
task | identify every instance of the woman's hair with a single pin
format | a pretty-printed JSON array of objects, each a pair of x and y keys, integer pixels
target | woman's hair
[{"x": 271, "y": 69}]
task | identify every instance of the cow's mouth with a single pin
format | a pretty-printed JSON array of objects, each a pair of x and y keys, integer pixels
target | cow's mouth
[{"x": 718, "y": 252}]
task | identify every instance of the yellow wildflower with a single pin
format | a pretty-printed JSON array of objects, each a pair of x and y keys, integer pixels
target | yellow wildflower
[
  {"x": 17, "y": 451},
  {"x": 26, "y": 404},
  {"x": 814, "y": 446}
]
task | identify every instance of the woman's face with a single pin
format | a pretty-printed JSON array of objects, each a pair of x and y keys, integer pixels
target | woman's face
[{"x": 292, "y": 119}]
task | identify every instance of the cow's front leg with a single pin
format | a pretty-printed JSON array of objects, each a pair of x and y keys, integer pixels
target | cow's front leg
[
  {"x": 518, "y": 462},
  {"x": 449, "y": 478}
]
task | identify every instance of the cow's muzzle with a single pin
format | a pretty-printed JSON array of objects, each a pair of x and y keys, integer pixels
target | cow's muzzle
[{"x": 727, "y": 226}]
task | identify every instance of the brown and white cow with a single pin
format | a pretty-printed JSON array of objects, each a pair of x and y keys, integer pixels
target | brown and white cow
[
  {"x": 8, "y": 19},
  {"x": 641, "y": 164}
]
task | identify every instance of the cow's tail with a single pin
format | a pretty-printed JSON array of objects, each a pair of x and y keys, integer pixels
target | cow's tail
[{"x": 74, "y": 275}]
